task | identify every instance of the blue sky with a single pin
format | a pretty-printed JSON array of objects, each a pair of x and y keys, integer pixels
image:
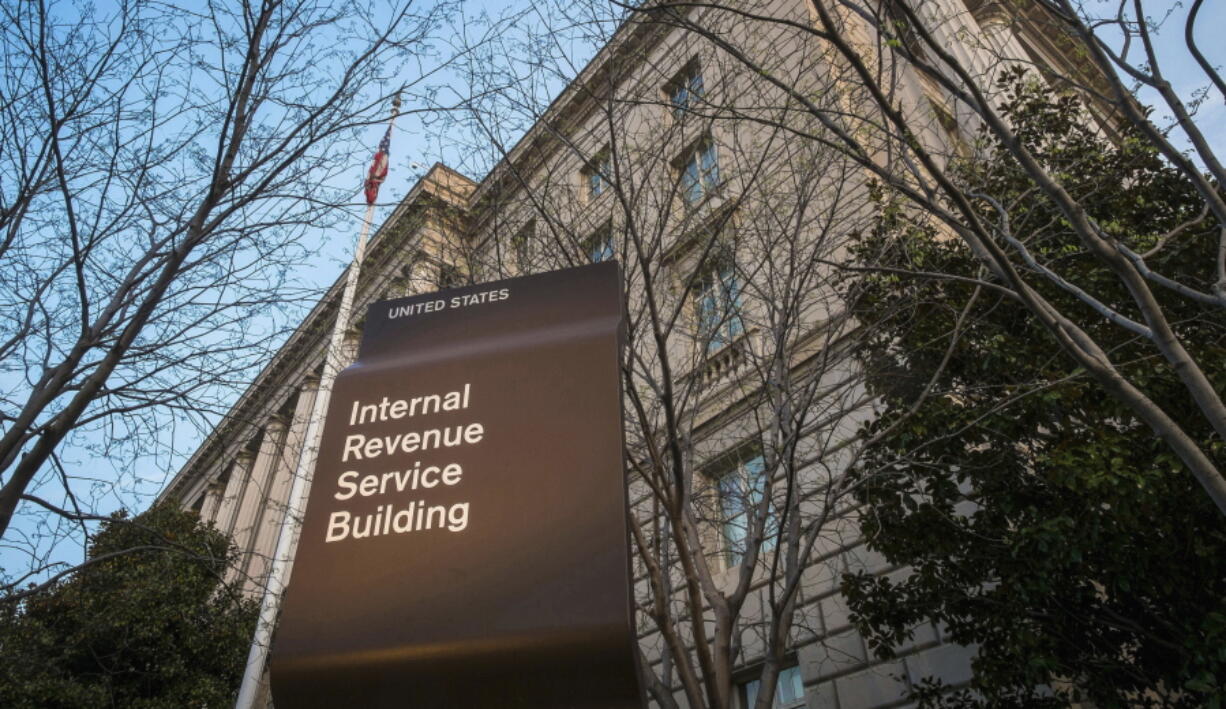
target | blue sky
[
  {"x": 416, "y": 145},
  {"x": 111, "y": 482},
  {"x": 1184, "y": 74}
]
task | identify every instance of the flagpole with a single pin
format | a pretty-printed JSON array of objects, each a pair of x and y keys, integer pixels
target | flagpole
[{"x": 287, "y": 539}]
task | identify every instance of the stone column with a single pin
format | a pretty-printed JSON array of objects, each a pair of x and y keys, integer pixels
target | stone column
[
  {"x": 227, "y": 507},
  {"x": 420, "y": 274},
  {"x": 1000, "y": 41},
  {"x": 255, "y": 495},
  {"x": 402, "y": 284},
  {"x": 353, "y": 339},
  {"x": 212, "y": 501},
  {"x": 278, "y": 493},
  {"x": 951, "y": 24}
]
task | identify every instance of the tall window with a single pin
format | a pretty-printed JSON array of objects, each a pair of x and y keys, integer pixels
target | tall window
[
  {"x": 699, "y": 173},
  {"x": 898, "y": 30},
  {"x": 600, "y": 245},
  {"x": 789, "y": 690},
  {"x": 449, "y": 276},
  {"x": 717, "y": 306},
  {"x": 597, "y": 174},
  {"x": 740, "y": 491},
  {"x": 521, "y": 244},
  {"x": 685, "y": 90}
]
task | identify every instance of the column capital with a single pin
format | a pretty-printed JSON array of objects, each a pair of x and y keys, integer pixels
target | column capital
[{"x": 991, "y": 13}]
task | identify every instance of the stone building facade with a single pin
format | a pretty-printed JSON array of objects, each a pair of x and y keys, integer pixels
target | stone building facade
[{"x": 702, "y": 178}]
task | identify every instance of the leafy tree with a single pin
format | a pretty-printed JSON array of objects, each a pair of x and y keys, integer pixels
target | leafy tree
[
  {"x": 908, "y": 139},
  {"x": 891, "y": 87},
  {"x": 145, "y": 623},
  {"x": 1042, "y": 520}
]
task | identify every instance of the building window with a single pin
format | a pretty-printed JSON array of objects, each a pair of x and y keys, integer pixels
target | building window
[
  {"x": 699, "y": 173},
  {"x": 521, "y": 244},
  {"x": 597, "y": 174},
  {"x": 789, "y": 690},
  {"x": 740, "y": 491},
  {"x": 449, "y": 276},
  {"x": 685, "y": 90},
  {"x": 718, "y": 306},
  {"x": 600, "y": 245},
  {"x": 899, "y": 33}
]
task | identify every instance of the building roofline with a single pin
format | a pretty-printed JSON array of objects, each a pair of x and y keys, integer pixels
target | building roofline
[
  {"x": 629, "y": 36},
  {"x": 440, "y": 183}
]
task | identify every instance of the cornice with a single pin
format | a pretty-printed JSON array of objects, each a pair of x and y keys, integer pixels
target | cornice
[{"x": 570, "y": 106}]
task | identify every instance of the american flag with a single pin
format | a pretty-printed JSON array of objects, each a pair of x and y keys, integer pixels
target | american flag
[{"x": 378, "y": 167}]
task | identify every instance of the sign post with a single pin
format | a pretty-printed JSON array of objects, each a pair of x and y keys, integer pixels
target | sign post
[{"x": 466, "y": 543}]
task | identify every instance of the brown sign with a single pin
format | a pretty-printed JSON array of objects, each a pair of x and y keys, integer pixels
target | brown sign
[{"x": 465, "y": 543}]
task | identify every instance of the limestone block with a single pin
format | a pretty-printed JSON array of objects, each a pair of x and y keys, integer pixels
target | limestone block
[{"x": 880, "y": 686}]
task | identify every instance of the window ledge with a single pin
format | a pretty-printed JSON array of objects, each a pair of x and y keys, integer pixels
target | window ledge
[
  {"x": 710, "y": 198},
  {"x": 723, "y": 364}
]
